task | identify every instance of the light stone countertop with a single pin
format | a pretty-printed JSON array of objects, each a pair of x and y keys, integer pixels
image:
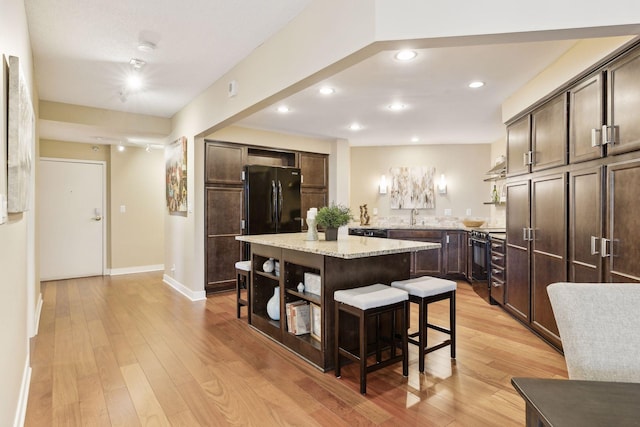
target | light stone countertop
[{"x": 346, "y": 247}]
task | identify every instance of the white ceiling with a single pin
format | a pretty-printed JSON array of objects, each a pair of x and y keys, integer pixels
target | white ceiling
[
  {"x": 82, "y": 52},
  {"x": 82, "y": 49},
  {"x": 440, "y": 107}
]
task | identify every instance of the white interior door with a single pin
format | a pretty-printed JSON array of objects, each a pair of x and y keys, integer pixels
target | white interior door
[{"x": 71, "y": 206}]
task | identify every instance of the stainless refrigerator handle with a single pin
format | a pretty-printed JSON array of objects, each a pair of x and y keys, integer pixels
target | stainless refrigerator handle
[
  {"x": 273, "y": 201},
  {"x": 279, "y": 201}
]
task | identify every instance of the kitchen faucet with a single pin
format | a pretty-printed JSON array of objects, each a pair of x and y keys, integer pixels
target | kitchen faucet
[{"x": 414, "y": 213}]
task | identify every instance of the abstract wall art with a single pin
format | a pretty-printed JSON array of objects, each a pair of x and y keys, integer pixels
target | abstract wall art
[
  {"x": 21, "y": 139},
  {"x": 412, "y": 187},
  {"x": 176, "y": 175}
]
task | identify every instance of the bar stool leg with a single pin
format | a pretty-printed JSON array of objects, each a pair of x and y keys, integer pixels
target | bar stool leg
[
  {"x": 422, "y": 332},
  {"x": 404, "y": 326},
  {"x": 452, "y": 323},
  {"x": 238, "y": 287},
  {"x": 363, "y": 353},
  {"x": 336, "y": 338}
]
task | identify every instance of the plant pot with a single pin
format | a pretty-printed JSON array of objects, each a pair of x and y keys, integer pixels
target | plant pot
[{"x": 331, "y": 234}]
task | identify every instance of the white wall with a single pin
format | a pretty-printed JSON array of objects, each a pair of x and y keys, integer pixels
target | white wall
[
  {"x": 18, "y": 279},
  {"x": 464, "y": 167}
]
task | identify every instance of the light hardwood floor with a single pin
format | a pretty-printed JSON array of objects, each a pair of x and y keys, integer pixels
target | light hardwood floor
[{"x": 130, "y": 351}]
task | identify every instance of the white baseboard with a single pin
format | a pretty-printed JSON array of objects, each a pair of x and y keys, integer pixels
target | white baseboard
[
  {"x": 21, "y": 410},
  {"x": 192, "y": 295},
  {"x": 36, "y": 320},
  {"x": 138, "y": 269}
]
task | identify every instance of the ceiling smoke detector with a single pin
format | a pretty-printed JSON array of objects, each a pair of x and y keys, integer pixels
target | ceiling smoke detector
[{"x": 146, "y": 46}]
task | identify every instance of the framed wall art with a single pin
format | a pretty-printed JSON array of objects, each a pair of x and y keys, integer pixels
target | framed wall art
[
  {"x": 412, "y": 187},
  {"x": 176, "y": 175},
  {"x": 21, "y": 139}
]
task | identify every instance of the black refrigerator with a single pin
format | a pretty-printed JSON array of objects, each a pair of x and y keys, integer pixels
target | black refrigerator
[{"x": 272, "y": 199}]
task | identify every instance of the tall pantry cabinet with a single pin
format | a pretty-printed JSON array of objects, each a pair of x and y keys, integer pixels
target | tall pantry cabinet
[
  {"x": 224, "y": 200},
  {"x": 573, "y": 175}
]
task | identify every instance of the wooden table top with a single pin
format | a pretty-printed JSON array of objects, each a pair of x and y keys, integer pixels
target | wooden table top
[{"x": 581, "y": 403}]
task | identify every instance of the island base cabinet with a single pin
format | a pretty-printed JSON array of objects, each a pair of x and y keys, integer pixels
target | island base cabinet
[{"x": 335, "y": 274}]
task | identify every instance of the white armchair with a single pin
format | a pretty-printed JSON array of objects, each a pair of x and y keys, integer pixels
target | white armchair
[{"x": 599, "y": 325}]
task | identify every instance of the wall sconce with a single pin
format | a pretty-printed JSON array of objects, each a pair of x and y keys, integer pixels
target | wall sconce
[
  {"x": 442, "y": 185},
  {"x": 383, "y": 184}
]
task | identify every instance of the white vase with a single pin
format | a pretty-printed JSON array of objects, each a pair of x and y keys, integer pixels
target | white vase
[
  {"x": 268, "y": 266},
  {"x": 273, "y": 305}
]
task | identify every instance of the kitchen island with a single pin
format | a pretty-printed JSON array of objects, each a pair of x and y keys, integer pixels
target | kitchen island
[{"x": 349, "y": 262}]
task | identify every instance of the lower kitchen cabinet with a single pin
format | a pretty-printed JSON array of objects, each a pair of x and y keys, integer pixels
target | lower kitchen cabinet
[
  {"x": 449, "y": 261},
  {"x": 497, "y": 279}
]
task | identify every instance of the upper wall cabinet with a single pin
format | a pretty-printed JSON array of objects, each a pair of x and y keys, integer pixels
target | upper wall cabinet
[
  {"x": 622, "y": 133},
  {"x": 315, "y": 170},
  {"x": 538, "y": 140},
  {"x": 586, "y": 118},
  {"x": 224, "y": 163},
  {"x": 549, "y": 135},
  {"x": 518, "y": 146}
]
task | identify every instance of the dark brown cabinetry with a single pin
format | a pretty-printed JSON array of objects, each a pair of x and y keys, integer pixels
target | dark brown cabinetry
[
  {"x": 518, "y": 146},
  {"x": 622, "y": 132},
  {"x": 575, "y": 221},
  {"x": 548, "y": 249},
  {"x": 449, "y": 261},
  {"x": 313, "y": 190},
  {"x": 585, "y": 224},
  {"x": 586, "y": 115},
  {"x": 224, "y": 197},
  {"x": 536, "y": 249},
  {"x": 538, "y": 140},
  {"x": 455, "y": 253},
  {"x": 620, "y": 248},
  {"x": 518, "y": 292},
  {"x": 549, "y": 135}
]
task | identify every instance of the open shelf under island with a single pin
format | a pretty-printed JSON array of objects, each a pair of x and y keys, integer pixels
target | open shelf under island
[{"x": 349, "y": 262}]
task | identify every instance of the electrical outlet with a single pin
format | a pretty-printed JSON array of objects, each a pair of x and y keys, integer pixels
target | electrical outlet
[
  {"x": 447, "y": 212},
  {"x": 468, "y": 212}
]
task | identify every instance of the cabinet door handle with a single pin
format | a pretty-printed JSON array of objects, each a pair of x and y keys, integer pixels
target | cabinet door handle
[
  {"x": 594, "y": 245},
  {"x": 525, "y": 234},
  {"x": 603, "y": 247},
  {"x": 596, "y": 140},
  {"x": 609, "y": 134},
  {"x": 531, "y": 235}
]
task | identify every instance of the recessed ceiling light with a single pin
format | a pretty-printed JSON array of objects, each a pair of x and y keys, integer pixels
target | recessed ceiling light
[
  {"x": 396, "y": 106},
  {"x": 476, "y": 84},
  {"x": 415, "y": 139},
  {"x": 326, "y": 90},
  {"x": 355, "y": 126},
  {"x": 406, "y": 55},
  {"x": 283, "y": 109},
  {"x": 120, "y": 147}
]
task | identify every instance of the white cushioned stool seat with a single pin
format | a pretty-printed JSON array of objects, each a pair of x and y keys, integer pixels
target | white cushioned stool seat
[
  {"x": 424, "y": 291},
  {"x": 371, "y": 296},
  {"x": 243, "y": 265},
  {"x": 425, "y": 286}
]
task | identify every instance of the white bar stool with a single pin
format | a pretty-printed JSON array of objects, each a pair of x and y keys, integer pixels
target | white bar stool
[
  {"x": 243, "y": 280},
  {"x": 366, "y": 302},
  {"x": 423, "y": 291}
]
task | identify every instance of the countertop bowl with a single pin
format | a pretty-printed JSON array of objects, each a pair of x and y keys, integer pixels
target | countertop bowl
[{"x": 473, "y": 222}]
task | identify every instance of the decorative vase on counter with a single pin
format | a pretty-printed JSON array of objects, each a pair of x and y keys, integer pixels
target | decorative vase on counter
[
  {"x": 331, "y": 234},
  {"x": 273, "y": 305}
]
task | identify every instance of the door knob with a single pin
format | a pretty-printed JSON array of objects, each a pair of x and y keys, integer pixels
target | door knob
[{"x": 97, "y": 218}]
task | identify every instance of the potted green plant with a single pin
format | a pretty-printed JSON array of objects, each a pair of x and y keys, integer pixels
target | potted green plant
[{"x": 332, "y": 217}]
